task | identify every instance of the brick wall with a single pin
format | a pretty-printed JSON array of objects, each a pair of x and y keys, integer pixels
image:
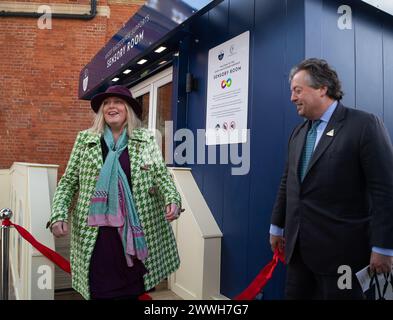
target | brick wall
[{"x": 40, "y": 113}]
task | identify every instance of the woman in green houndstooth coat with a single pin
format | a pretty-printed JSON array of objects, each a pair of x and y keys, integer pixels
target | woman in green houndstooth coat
[{"x": 121, "y": 241}]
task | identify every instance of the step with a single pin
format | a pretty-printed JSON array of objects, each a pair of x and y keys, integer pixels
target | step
[{"x": 161, "y": 292}]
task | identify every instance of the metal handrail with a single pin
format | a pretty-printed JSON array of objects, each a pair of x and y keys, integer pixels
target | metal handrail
[{"x": 5, "y": 214}]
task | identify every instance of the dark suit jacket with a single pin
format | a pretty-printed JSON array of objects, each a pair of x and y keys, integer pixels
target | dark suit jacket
[{"x": 344, "y": 205}]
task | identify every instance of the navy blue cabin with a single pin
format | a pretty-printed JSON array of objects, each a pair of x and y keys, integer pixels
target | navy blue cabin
[{"x": 357, "y": 40}]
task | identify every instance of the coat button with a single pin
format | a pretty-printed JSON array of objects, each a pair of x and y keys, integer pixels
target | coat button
[
  {"x": 152, "y": 190},
  {"x": 145, "y": 167}
]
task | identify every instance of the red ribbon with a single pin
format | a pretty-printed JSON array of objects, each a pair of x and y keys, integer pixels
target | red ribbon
[
  {"x": 261, "y": 279},
  {"x": 47, "y": 252},
  {"x": 53, "y": 256}
]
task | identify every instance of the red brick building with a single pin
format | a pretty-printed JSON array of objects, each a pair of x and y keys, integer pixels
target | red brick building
[{"x": 40, "y": 113}]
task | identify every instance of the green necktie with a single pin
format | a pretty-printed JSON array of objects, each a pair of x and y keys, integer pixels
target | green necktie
[{"x": 308, "y": 148}]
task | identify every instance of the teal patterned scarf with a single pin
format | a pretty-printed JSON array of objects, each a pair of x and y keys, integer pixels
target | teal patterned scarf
[{"x": 112, "y": 203}]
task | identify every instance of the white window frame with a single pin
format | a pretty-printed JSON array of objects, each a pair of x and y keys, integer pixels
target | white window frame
[{"x": 151, "y": 85}]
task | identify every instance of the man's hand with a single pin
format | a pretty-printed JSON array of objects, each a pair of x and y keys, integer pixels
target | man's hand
[
  {"x": 172, "y": 212},
  {"x": 59, "y": 229},
  {"x": 380, "y": 263},
  {"x": 277, "y": 242}
]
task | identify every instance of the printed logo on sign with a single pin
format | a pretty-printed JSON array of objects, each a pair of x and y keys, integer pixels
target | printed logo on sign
[
  {"x": 232, "y": 49},
  {"x": 85, "y": 79},
  {"x": 221, "y": 55},
  {"x": 226, "y": 83}
]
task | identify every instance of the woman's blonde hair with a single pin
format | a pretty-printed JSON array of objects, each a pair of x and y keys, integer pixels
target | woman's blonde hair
[{"x": 133, "y": 121}]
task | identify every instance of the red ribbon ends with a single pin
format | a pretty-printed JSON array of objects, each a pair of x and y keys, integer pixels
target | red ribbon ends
[{"x": 261, "y": 279}]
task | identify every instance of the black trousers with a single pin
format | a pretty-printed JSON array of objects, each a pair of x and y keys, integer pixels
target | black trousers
[{"x": 303, "y": 284}]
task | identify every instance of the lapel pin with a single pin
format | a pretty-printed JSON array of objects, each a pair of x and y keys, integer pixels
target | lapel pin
[{"x": 330, "y": 133}]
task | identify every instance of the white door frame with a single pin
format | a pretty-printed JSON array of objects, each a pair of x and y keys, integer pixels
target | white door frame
[{"x": 151, "y": 86}]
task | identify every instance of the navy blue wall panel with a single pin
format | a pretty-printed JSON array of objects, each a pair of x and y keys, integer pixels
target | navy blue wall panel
[
  {"x": 356, "y": 54},
  {"x": 268, "y": 122},
  {"x": 388, "y": 72},
  {"x": 313, "y": 29},
  {"x": 179, "y": 97},
  {"x": 282, "y": 33},
  {"x": 196, "y": 101},
  {"x": 295, "y": 52},
  {"x": 209, "y": 30},
  {"x": 242, "y": 205},
  {"x": 369, "y": 68},
  {"x": 236, "y": 188},
  {"x": 338, "y": 48},
  {"x": 241, "y": 17},
  {"x": 213, "y": 189},
  {"x": 196, "y": 111},
  {"x": 324, "y": 39}
]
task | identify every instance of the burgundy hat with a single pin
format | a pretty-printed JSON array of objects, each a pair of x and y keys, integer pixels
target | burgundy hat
[{"x": 116, "y": 91}]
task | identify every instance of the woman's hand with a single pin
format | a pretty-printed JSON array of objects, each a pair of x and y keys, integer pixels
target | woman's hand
[
  {"x": 172, "y": 212},
  {"x": 60, "y": 229}
]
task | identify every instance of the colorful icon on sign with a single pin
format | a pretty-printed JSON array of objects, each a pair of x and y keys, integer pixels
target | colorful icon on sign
[
  {"x": 226, "y": 83},
  {"x": 233, "y": 125},
  {"x": 225, "y": 126}
]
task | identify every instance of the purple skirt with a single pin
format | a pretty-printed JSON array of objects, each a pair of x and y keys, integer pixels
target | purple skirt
[{"x": 110, "y": 277}]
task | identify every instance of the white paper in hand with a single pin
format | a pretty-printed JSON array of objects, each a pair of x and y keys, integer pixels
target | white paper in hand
[{"x": 364, "y": 278}]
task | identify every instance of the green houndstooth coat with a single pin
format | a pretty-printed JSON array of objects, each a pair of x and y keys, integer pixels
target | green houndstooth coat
[{"x": 152, "y": 188}]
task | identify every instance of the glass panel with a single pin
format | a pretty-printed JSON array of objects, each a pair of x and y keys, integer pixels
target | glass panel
[
  {"x": 144, "y": 102},
  {"x": 164, "y": 110}
]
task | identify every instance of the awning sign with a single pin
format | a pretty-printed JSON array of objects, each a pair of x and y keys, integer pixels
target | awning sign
[{"x": 152, "y": 23}]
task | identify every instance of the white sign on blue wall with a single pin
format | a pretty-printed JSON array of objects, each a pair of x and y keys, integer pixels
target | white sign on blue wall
[{"x": 227, "y": 91}]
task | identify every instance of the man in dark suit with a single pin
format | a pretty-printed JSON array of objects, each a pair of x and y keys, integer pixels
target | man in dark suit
[{"x": 335, "y": 202}]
